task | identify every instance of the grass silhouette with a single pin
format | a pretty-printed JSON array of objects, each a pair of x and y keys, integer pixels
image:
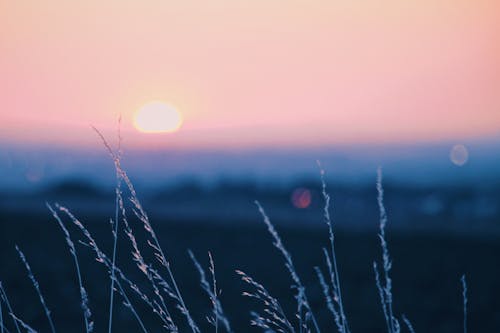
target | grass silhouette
[{"x": 164, "y": 298}]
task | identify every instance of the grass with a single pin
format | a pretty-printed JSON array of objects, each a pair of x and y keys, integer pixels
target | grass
[{"x": 164, "y": 298}]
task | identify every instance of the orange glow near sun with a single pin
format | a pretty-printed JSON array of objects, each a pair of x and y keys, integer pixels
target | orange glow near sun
[{"x": 157, "y": 117}]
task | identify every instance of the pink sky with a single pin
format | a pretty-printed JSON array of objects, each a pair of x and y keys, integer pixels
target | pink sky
[{"x": 251, "y": 73}]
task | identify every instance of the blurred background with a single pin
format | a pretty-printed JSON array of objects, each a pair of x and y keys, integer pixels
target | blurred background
[{"x": 217, "y": 104}]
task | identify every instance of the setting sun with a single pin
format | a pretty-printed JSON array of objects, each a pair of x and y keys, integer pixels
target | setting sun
[{"x": 157, "y": 117}]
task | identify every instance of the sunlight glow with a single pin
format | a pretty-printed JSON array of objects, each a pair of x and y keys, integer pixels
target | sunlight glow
[{"x": 157, "y": 117}]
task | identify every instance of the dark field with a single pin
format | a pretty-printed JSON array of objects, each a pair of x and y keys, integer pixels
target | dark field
[{"x": 426, "y": 272}]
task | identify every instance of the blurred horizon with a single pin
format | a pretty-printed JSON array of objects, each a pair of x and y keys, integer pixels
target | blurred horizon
[
  {"x": 417, "y": 164},
  {"x": 443, "y": 185}
]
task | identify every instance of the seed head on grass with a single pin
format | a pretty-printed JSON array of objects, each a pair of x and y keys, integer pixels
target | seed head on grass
[
  {"x": 116, "y": 157},
  {"x": 274, "y": 317},
  {"x": 384, "y": 286},
  {"x": 160, "y": 255},
  {"x": 171, "y": 284},
  {"x": 37, "y": 288},
  {"x": 332, "y": 263},
  {"x": 147, "y": 269},
  {"x": 87, "y": 314},
  {"x": 329, "y": 301},
  {"x": 102, "y": 258},
  {"x": 153, "y": 241},
  {"x": 212, "y": 292},
  {"x": 304, "y": 311}
]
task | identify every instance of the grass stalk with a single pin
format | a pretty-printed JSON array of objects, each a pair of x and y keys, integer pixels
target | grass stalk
[
  {"x": 211, "y": 290},
  {"x": 1, "y": 319},
  {"x": 153, "y": 243},
  {"x": 102, "y": 258},
  {"x": 87, "y": 314},
  {"x": 464, "y": 296},
  {"x": 333, "y": 270},
  {"x": 27, "y": 327},
  {"x": 408, "y": 324},
  {"x": 275, "y": 319},
  {"x": 37, "y": 288},
  {"x": 302, "y": 301},
  {"x": 385, "y": 286},
  {"x": 3, "y": 296}
]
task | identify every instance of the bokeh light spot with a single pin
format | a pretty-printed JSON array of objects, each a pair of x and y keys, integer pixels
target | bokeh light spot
[
  {"x": 459, "y": 155},
  {"x": 301, "y": 198}
]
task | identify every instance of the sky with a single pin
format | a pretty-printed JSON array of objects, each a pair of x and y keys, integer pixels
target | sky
[{"x": 250, "y": 73}]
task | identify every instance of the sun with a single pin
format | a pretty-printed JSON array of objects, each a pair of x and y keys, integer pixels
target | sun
[{"x": 157, "y": 117}]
